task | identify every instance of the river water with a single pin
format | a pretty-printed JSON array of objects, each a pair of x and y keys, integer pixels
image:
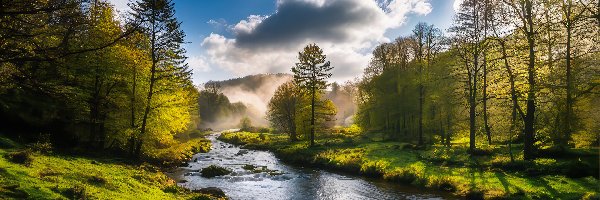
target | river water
[{"x": 289, "y": 182}]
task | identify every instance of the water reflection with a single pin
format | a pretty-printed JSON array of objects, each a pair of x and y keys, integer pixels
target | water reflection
[{"x": 287, "y": 182}]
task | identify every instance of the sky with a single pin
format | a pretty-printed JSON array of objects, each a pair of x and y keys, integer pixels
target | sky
[{"x": 234, "y": 38}]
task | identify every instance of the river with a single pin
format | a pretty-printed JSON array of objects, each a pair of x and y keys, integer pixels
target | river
[{"x": 290, "y": 182}]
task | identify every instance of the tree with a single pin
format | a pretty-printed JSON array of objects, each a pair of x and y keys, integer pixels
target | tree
[
  {"x": 283, "y": 108},
  {"x": 471, "y": 31},
  {"x": 157, "y": 19},
  {"x": 245, "y": 124},
  {"x": 311, "y": 73},
  {"x": 526, "y": 25},
  {"x": 426, "y": 47}
]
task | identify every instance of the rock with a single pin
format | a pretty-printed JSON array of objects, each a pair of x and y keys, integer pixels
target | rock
[
  {"x": 248, "y": 167},
  {"x": 182, "y": 181},
  {"x": 213, "y": 191},
  {"x": 213, "y": 170},
  {"x": 195, "y": 159},
  {"x": 241, "y": 152}
]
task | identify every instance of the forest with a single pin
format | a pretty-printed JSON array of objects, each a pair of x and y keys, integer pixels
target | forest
[{"x": 502, "y": 105}]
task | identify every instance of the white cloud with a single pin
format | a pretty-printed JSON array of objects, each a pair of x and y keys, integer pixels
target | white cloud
[
  {"x": 246, "y": 26},
  {"x": 344, "y": 29},
  {"x": 422, "y": 8},
  {"x": 456, "y": 5},
  {"x": 198, "y": 64}
]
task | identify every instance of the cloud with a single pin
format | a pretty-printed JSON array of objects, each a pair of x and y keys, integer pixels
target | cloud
[
  {"x": 456, "y": 5},
  {"x": 344, "y": 29},
  {"x": 198, "y": 64}
]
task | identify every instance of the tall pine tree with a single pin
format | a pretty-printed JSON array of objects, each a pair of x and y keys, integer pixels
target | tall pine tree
[
  {"x": 311, "y": 73},
  {"x": 157, "y": 20}
]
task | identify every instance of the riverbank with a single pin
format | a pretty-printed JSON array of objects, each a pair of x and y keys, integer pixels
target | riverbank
[
  {"x": 29, "y": 174},
  {"x": 447, "y": 169}
]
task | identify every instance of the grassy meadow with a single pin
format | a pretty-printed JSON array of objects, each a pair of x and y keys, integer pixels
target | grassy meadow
[{"x": 492, "y": 176}]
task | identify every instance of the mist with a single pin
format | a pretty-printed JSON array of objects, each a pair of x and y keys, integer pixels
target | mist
[{"x": 253, "y": 92}]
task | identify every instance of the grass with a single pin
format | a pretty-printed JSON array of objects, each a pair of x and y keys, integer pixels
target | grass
[
  {"x": 179, "y": 153},
  {"x": 55, "y": 176},
  {"x": 438, "y": 167}
]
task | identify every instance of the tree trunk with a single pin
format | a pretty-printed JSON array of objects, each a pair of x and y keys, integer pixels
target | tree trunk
[
  {"x": 569, "y": 102},
  {"x": 312, "y": 119},
  {"x": 150, "y": 92},
  {"x": 485, "y": 98},
  {"x": 529, "y": 121},
  {"x": 472, "y": 107}
]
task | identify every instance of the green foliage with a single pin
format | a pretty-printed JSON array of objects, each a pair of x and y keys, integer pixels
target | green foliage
[
  {"x": 245, "y": 124},
  {"x": 311, "y": 74}
]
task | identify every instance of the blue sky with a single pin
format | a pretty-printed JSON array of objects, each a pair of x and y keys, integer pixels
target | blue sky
[{"x": 234, "y": 38}]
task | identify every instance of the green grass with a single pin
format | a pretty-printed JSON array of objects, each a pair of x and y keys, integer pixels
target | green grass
[
  {"x": 180, "y": 152},
  {"x": 53, "y": 176},
  {"x": 448, "y": 169}
]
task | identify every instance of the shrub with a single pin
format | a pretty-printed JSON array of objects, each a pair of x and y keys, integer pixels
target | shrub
[
  {"x": 41, "y": 147},
  {"x": 23, "y": 157},
  {"x": 213, "y": 170}
]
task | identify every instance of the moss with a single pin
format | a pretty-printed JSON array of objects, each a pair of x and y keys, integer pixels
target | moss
[{"x": 213, "y": 170}]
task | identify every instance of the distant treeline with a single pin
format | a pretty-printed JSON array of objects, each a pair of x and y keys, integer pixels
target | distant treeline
[{"x": 508, "y": 71}]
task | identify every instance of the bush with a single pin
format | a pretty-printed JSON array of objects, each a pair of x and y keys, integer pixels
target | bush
[
  {"x": 23, "y": 157},
  {"x": 245, "y": 124},
  {"x": 213, "y": 170},
  {"x": 41, "y": 147}
]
